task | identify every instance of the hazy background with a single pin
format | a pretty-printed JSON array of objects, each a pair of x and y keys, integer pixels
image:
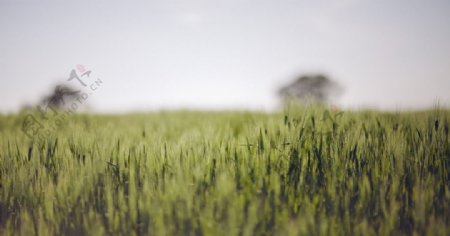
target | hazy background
[{"x": 226, "y": 54}]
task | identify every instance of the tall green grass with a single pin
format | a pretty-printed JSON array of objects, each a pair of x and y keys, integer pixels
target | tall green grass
[{"x": 307, "y": 171}]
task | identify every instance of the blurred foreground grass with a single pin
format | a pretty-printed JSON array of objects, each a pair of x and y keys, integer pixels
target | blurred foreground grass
[{"x": 307, "y": 171}]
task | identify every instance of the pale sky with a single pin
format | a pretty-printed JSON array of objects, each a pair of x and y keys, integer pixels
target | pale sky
[{"x": 226, "y": 54}]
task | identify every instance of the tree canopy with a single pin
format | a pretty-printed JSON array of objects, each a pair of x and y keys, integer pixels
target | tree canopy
[{"x": 315, "y": 88}]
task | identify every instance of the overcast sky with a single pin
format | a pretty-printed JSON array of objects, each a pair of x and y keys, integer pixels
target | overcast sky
[{"x": 226, "y": 54}]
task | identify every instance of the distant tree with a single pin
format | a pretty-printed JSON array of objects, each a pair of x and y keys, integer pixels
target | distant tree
[
  {"x": 311, "y": 88},
  {"x": 61, "y": 95}
]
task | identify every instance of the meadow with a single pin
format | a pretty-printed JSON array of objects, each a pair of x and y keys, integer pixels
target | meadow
[{"x": 300, "y": 171}]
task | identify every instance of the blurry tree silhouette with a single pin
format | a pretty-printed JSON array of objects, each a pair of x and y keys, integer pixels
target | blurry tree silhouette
[
  {"x": 61, "y": 95},
  {"x": 311, "y": 88}
]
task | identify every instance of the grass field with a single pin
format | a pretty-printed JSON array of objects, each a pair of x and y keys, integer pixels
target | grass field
[{"x": 303, "y": 171}]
